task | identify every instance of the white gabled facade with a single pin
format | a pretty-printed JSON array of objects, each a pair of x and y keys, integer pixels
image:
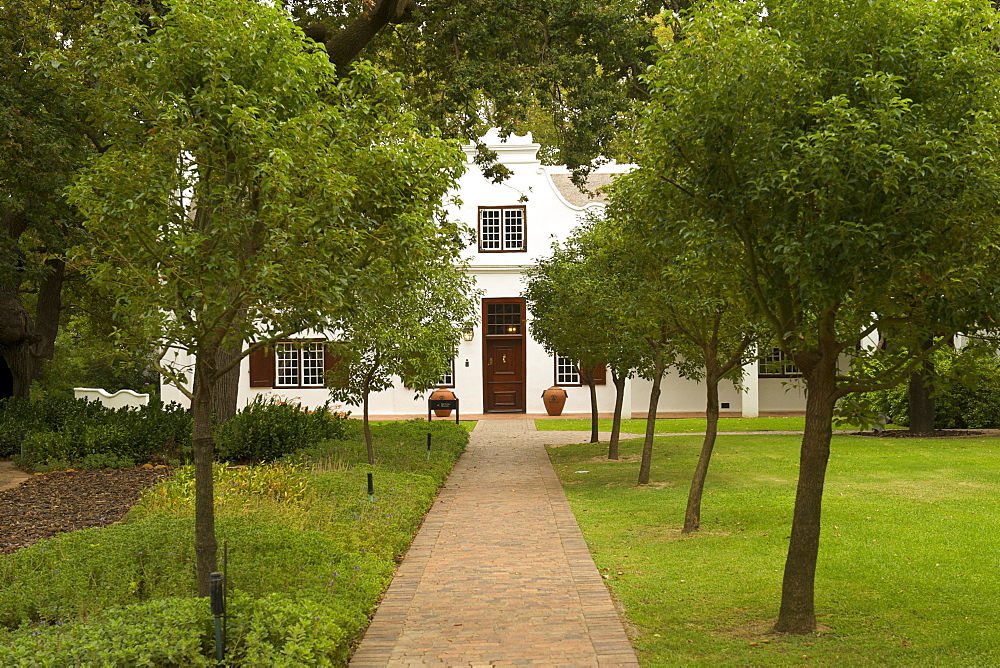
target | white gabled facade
[{"x": 502, "y": 369}]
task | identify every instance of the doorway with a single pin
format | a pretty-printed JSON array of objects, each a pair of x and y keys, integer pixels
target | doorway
[{"x": 503, "y": 355}]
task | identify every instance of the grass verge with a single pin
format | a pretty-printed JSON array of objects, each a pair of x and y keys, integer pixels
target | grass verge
[
  {"x": 309, "y": 556},
  {"x": 907, "y": 569},
  {"x": 684, "y": 425}
]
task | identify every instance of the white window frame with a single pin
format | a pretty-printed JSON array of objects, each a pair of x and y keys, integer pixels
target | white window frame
[
  {"x": 503, "y": 229},
  {"x": 299, "y": 364},
  {"x": 566, "y": 372},
  {"x": 447, "y": 378}
]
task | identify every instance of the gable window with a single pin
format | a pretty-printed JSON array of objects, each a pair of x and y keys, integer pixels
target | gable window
[
  {"x": 776, "y": 364},
  {"x": 291, "y": 364},
  {"x": 502, "y": 229},
  {"x": 566, "y": 371}
]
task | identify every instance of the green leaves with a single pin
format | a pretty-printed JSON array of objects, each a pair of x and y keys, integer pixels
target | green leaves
[
  {"x": 841, "y": 156},
  {"x": 246, "y": 188}
]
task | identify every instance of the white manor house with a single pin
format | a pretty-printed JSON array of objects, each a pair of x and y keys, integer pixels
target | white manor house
[{"x": 500, "y": 368}]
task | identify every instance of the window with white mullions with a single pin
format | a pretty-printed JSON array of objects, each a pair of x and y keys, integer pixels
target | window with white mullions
[
  {"x": 312, "y": 365},
  {"x": 299, "y": 364},
  {"x": 566, "y": 371},
  {"x": 287, "y": 356},
  {"x": 447, "y": 378},
  {"x": 502, "y": 229},
  {"x": 775, "y": 363}
]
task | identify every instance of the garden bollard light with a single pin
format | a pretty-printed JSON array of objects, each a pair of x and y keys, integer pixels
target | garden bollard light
[
  {"x": 219, "y": 610},
  {"x": 371, "y": 489},
  {"x": 428, "y": 447}
]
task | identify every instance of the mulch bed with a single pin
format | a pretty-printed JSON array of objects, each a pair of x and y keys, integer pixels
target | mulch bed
[{"x": 52, "y": 503}]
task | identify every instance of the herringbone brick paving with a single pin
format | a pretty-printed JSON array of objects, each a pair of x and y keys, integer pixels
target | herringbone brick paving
[{"x": 499, "y": 573}]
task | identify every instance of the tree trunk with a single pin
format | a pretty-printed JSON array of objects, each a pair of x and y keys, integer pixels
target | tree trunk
[
  {"x": 16, "y": 330},
  {"x": 226, "y": 395},
  {"x": 205, "y": 544},
  {"x": 647, "y": 444},
  {"x": 23, "y": 369},
  {"x": 692, "y": 516},
  {"x": 616, "y": 422},
  {"x": 922, "y": 405},
  {"x": 797, "y": 614},
  {"x": 344, "y": 46},
  {"x": 594, "y": 427},
  {"x": 26, "y": 342},
  {"x": 367, "y": 429}
]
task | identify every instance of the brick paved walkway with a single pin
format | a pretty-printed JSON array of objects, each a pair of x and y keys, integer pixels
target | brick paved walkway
[{"x": 499, "y": 573}]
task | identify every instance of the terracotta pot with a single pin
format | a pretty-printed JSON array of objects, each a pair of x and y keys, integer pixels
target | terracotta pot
[
  {"x": 442, "y": 393},
  {"x": 555, "y": 399}
]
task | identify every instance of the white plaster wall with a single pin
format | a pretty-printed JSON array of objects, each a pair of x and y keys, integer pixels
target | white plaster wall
[
  {"x": 548, "y": 217},
  {"x": 119, "y": 399},
  {"x": 680, "y": 395},
  {"x": 782, "y": 394}
]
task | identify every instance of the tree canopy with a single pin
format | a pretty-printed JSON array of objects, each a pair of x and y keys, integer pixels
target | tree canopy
[
  {"x": 405, "y": 330},
  {"x": 846, "y": 154},
  {"x": 246, "y": 188}
]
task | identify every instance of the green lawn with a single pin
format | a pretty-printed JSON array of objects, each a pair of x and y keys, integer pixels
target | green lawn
[
  {"x": 684, "y": 425},
  {"x": 908, "y": 559}
]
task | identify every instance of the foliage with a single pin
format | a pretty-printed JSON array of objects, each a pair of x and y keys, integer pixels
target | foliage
[
  {"x": 92, "y": 359},
  {"x": 966, "y": 390},
  {"x": 570, "y": 68},
  {"x": 575, "y": 301},
  {"x": 246, "y": 188},
  {"x": 80, "y": 431},
  {"x": 830, "y": 151},
  {"x": 290, "y": 169},
  {"x": 277, "y": 630},
  {"x": 267, "y": 429},
  {"x": 309, "y": 556},
  {"x": 61, "y": 432},
  {"x": 403, "y": 328},
  {"x": 46, "y": 137},
  {"x": 901, "y": 580}
]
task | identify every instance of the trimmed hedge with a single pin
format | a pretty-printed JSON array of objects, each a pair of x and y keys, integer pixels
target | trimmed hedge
[
  {"x": 69, "y": 430},
  {"x": 60, "y": 432},
  {"x": 267, "y": 429}
]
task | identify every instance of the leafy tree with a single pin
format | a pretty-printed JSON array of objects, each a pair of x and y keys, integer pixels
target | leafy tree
[
  {"x": 845, "y": 153},
  {"x": 570, "y": 66},
  {"x": 575, "y": 311},
  {"x": 245, "y": 190},
  {"x": 714, "y": 327},
  {"x": 404, "y": 329},
  {"x": 45, "y": 138}
]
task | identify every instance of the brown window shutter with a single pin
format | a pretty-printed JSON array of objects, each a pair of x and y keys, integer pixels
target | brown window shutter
[
  {"x": 331, "y": 363},
  {"x": 262, "y": 368},
  {"x": 599, "y": 373}
]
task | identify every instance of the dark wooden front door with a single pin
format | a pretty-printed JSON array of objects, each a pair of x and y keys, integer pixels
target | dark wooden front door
[{"x": 503, "y": 356}]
